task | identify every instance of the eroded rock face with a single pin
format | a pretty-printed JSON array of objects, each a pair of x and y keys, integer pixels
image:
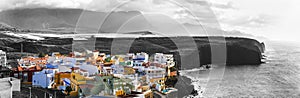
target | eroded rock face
[
  {"x": 239, "y": 51},
  {"x": 184, "y": 86},
  {"x": 33, "y": 46}
]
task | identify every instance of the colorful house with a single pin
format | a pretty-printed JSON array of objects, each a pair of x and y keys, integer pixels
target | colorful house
[
  {"x": 155, "y": 72},
  {"x": 128, "y": 71},
  {"x": 76, "y": 80},
  {"x": 25, "y": 73},
  {"x": 44, "y": 78},
  {"x": 28, "y": 62},
  {"x": 59, "y": 79},
  {"x": 117, "y": 69},
  {"x": 141, "y": 57},
  {"x": 159, "y": 58}
]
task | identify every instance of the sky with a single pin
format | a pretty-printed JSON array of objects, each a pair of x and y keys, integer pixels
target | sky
[{"x": 273, "y": 19}]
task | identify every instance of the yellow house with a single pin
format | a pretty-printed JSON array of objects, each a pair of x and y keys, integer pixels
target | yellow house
[
  {"x": 120, "y": 93},
  {"x": 148, "y": 94},
  {"x": 58, "y": 79},
  {"x": 160, "y": 81},
  {"x": 76, "y": 79}
]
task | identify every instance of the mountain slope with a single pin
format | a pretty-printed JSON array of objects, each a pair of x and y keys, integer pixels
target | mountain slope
[
  {"x": 40, "y": 18},
  {"x": 69, "y": 19}
]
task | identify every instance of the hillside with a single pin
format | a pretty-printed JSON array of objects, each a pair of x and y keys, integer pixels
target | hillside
[
  {"x": 238, "y": 51},
  {"x": 69, "y": 19}
]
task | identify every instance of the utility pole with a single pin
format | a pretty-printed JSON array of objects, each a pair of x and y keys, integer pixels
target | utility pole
[
  {"x": 54, "y": 94},
  {"x": 22, "y": 48},
  {"x": 30, "y": 92},
  {"x": 45, "y": 95}
]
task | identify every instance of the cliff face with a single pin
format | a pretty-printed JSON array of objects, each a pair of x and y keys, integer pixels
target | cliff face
[
  {"x": 184, "y": 86},
  {"x": 239, "y": 51},
  {"x": 14, "y": 44}
]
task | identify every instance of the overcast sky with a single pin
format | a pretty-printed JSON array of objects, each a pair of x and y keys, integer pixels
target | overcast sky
[{"x": 274, "y": 19}]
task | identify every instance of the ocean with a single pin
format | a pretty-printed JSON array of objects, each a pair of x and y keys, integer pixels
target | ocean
[{"x": 279, "y": 76}]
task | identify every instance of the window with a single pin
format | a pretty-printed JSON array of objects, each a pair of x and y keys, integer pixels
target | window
[{"x": 16, "y": 75}]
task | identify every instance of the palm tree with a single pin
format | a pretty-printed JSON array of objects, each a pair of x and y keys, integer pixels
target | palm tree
[{"x": 68, "y": 90}]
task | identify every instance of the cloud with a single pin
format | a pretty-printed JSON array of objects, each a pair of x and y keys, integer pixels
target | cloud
[
  {"x": 228, "y": 5},
  {"x": 184, "y": 11},
  {"x": 237, "y": 15},
  {"x": 244, "y": 15},
  {"x": 199, "y": 2},
  {"x": 181, "y": 10},
  {"x": 255, "y": 21},
  {"x": 12, "y": 4}
]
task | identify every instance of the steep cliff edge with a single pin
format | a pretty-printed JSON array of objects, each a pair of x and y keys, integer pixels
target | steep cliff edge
[
  {"x": 244, "y": 51},
  {"x": 239, "y": 51}
]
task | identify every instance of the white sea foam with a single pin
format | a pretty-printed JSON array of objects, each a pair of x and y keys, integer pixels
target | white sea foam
[{"x": 197, "y": 80}]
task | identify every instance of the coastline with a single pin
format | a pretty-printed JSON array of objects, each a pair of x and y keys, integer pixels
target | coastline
[{"x": 194, "y": 80}]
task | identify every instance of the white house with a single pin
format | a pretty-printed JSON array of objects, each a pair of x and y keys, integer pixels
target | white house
[
  {"x": 155, "y": 72},
  {"x": 160, "y": 58},
  {"x": 169, "y": 59},
  {"x": 3, "y": 59},
  {"x": 88, "y": 70}
]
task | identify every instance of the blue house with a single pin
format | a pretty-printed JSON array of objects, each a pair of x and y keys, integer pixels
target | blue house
[{"x": 43, "y": 78}]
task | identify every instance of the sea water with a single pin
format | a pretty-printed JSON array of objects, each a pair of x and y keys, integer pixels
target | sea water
[{"x": 279, "y": 76}]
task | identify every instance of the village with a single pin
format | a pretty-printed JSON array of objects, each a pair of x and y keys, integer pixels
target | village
[{"x": 95, "y": 74}]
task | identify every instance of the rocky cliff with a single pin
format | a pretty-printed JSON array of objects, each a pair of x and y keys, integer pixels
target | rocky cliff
[{"x": 239, "y": 51}]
